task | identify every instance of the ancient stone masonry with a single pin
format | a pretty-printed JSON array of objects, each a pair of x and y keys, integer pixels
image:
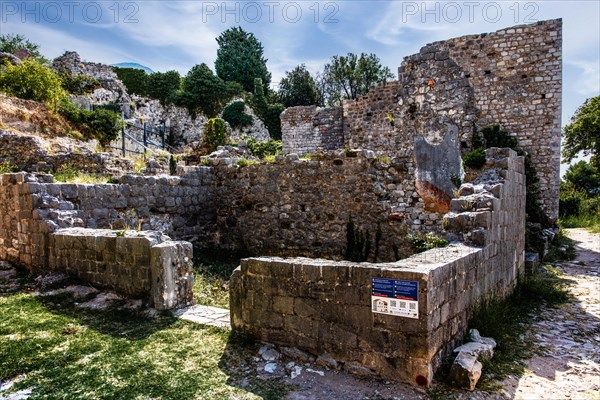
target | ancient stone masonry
[
  {"x": 516, "y": 75},
  {"x": 112, "y": 90},
  {"x": 301, "y": 207},
  {"x": 41, "y": 229},
  {"x": 325, "y": 307},
  {"x": 511, "y": 77},
  {"x": 308, "y": 128}
]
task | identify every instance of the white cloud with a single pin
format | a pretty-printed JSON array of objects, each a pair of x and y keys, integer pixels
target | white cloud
[
  {"x": 54, "y": 42},
  {"x": 587, "y": 82}
]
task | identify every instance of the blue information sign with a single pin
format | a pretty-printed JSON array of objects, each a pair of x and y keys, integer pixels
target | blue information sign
[
  {"x": 395, "y": 288},
  {"x": 397, "y": 297}
]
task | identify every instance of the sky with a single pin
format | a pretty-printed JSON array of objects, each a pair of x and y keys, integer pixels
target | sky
[{"x": 176, "y": 35}]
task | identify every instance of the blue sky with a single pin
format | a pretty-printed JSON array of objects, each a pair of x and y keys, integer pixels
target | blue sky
[{"x": 172, "y": 34}]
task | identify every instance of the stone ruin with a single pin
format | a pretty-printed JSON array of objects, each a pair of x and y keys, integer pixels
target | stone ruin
[{"x": 386, "y": 161}]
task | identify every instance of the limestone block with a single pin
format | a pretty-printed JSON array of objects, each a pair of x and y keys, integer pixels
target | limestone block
[
  {"x": 465, "y": 371},
  {"x": 171, "y": 274},
  {"x": 477, "y": 349}
]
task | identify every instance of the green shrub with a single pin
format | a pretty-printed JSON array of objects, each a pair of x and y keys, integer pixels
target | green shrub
[
  {"x": 583, "y": 177},
  {"x": 262, "y": 150},
  {"x": 421, "y": 243},
  {"x": 32, "y": 81},
  {"x": 80, "y": 84},
  {"x": 234, "y": 114},
  {"x": 569, "y": 202},
  {"x": 214, "y": 134},
  {"x": 474, "y": 158},
  {"x": 495, "y": 136},
  {"x": 100, "y": 124}
]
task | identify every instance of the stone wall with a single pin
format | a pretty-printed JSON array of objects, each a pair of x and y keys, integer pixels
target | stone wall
[
  {"x": 138, "y": 264},
  {"x": 325, "y": 307},
  {"x": 308, "y": 128},
  {"x": 41, "y": 229},
  {"x": 516, "y": 75},
  {"x": 511, "y": 77},
  {"x": 299, "y": 207}
]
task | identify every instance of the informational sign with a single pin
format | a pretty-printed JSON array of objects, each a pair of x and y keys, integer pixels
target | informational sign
[{"x": 395, "y": 297}]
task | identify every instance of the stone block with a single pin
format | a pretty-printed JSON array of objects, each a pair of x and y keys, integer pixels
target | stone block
[{"x": 465, "y": 371}]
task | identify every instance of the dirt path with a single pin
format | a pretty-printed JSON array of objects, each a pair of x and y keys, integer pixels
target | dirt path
[{"x": 569, "y": 365}]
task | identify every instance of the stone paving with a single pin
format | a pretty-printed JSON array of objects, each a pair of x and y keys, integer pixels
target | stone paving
[{"x": 205, "y": 315}]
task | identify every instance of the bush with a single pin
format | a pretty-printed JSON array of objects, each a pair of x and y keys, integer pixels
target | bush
[
  {"x": 80, "y": 84},
  {"x": 474, "y": 158},
  {"x": 421, "y": 243},
  {"x": 583, "y": 177},
  {"x": 214, "y": 134},
  {"x": 495, "y": 136},
  {"x": 100, "y": 124},
  {"x": 234, "y": 114},
  {"x": 32, "y": 81},
  {"x": 262, "y": 150},
  {"x": 569, "y": 203}
]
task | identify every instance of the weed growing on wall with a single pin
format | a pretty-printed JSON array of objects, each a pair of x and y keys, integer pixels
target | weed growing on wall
[
  {"x": 266, "y": 149},
  {"x": 421, "y": 243},
  {"x": 6, "y": 167}
]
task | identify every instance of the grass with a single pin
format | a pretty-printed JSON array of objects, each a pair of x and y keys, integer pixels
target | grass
[
  {"x": 64, "y": 352},
  {"x": 562, "y": 248},
  {"x": 508, "y": 322},
  {"x": 6, "y": 167},
  {"x": 70, "y": 174},
  {"x": 211, "y": 281},
  {"x": 590, "y": 222}
]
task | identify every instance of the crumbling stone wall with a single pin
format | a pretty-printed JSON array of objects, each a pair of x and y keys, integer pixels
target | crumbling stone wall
[
  {"x": 180, "y": 206},
  {"x": 510, "y": 77},
  {"x": 41, "y": 230},
  {"x": 325, "y": 307},
  {"x": 516, "y": 75},
  {"x": 308, "y": 128},
  {"x": 301, "y": 207},
  {"x": 112, "y": 91}
]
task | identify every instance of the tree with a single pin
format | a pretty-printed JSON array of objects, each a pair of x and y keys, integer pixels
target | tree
[
  {"x": 163, "y": 86},
  {"x": 583, "y": 177},
  {"x": 10, "y": 43},
  {"x": 203, "y": 91},
  {"x": 268, "y": 112},
  {"x": 351, "y": 76},
  {"x": 31, "y": 80},
  {"x": 240, "y": 59},
  {"x": 582, "y": 135},
  {"x": 298, "y": 88},
  {"x": 134, "y": 79}
]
